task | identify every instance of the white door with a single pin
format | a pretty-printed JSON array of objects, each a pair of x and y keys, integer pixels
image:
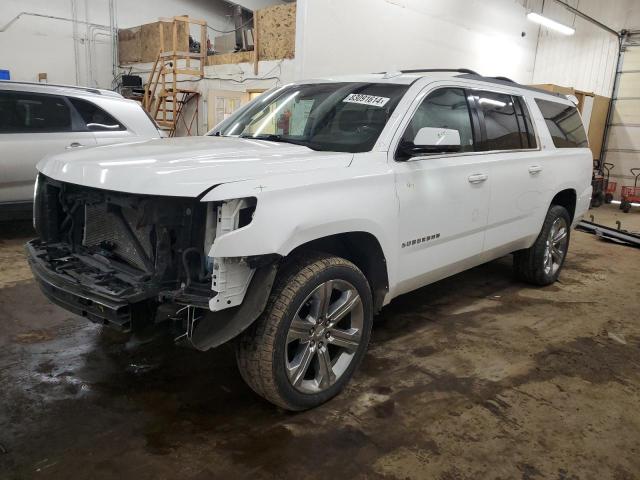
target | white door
[
  {"x": 520, "y": 171},
  {"x": 444, "y": 197},
  {"x": 32, "y": 126}
]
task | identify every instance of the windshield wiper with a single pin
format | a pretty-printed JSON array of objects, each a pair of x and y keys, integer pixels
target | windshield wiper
[{"x": 272, "y": 137}]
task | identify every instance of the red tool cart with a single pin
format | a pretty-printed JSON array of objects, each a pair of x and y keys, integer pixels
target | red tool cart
[
  {"x": 609, "y": 186},
  {"x": 630, "y": 194}
]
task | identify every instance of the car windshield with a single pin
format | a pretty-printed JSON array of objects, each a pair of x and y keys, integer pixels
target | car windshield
[{"x": 340, "y": 117}]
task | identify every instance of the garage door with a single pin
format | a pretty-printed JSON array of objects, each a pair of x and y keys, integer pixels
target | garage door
[{"x": 623, "y": 139}]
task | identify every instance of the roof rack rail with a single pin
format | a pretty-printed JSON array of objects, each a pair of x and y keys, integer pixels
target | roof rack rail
[
  {"x": 507, "y": 81},
  {"x": 504, "y": 79},
  {"x": 422, "y": 70},
  {"x": 96, "y": 91}
]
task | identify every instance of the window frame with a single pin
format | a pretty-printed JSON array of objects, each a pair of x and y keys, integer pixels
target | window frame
[
  {"x": 422, "y": 97},
  {"x": 544, "y": 120},
  {"x": 477, "y": 125},
  {"x": 83, "y": 124},
  {"x": 526, "y": 113}
]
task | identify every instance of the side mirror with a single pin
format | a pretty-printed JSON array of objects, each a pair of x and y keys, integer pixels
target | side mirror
[
  {"x": 436, "y": 138},
  {"x": 430, "y": 140}
]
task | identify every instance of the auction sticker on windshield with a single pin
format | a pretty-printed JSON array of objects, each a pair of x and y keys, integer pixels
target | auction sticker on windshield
[{"x": 366, "y": 99}]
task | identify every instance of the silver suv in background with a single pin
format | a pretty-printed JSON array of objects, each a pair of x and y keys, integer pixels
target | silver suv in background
[{"x": 37, "y": 120}]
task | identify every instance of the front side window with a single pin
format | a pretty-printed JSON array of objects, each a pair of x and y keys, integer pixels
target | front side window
[
  {"x": 564, "y": 123},
  {"x": 32, "y": 113},
  {"x": 446, "y": 108},
  {"x": 501, "y": 127},
  {"x": 339, "y": 116},
  {"x": 94, "y": 117}
]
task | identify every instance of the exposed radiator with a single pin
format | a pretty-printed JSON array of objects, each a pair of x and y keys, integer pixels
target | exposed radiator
[{"x": 106, "y": 228}]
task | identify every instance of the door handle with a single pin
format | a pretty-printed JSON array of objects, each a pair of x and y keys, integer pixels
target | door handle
[
  {"x": 534, "y": 169},
  {"x": 477, "y": 178},
  {"x": 73, "y": 145}
]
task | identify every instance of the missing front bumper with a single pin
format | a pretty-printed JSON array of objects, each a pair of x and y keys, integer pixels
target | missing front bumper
[
  {"x": 121, "y": 300},
  {"x": 83, "y": 286}
]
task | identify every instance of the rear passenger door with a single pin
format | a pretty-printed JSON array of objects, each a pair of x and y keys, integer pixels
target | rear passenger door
[
  {"x": 32, "y": 126},
  {"x": 519, "y": 172}
]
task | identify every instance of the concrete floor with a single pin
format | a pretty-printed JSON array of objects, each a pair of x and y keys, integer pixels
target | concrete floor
[{"x": 474, "y": 377}]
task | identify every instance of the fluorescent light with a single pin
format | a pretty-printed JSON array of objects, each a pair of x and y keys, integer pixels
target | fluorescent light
[{"x": 552, "y": 24}]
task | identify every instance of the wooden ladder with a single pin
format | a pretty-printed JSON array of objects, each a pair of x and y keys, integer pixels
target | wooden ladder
[{"x": 164, "y": 99}]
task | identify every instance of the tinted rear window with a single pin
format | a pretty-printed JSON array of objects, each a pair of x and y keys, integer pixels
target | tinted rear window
[
  {"x": 32, "y": 113},
  {"x": 501, "y": 124},
  {"x": 564, "y": 124},
  {"x": 95, "y": 118}
]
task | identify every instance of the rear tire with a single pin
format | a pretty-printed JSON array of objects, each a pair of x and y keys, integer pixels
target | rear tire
[
  {"x": 608, "y": 198},
  {"x": 625, "y": 206},
  {"x": 312, "y": 336},
  {"x": 541, "y": 263}
]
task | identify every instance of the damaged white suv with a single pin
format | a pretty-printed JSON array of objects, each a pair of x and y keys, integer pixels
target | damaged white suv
[{"x": 299, "y": 217}]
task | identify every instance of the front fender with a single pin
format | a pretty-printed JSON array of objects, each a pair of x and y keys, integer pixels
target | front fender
[{"x": 295, "y": 209}]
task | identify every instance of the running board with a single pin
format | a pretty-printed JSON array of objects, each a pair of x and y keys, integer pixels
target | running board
[{"x": 620, "y": 236}]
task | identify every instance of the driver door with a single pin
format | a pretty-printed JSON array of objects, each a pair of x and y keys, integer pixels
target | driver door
[{"x": 444, "y": 197}]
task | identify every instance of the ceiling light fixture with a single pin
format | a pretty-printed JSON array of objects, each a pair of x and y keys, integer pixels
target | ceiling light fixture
[{"x": 551, "y": 24}]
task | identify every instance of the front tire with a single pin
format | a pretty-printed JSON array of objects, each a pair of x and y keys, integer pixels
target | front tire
[
  {"x": 541, "y": 263},
  {"x": 312, "y": 336}
]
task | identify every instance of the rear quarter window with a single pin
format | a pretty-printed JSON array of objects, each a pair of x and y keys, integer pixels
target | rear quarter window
[
  {"x": 94, "y": 117},
  {"x": 564, "y": 124}
]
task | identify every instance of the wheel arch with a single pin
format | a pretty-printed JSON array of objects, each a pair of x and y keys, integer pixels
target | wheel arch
[
  {"x": 566, "y": 198},
  {"x": 362, "y": 249}
]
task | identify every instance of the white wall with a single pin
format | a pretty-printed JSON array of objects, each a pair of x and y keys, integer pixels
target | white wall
[
  {"x": 32, "y": 45},
  {"x": 349, "y": 36},
  {"x": 586, "y": 60}
]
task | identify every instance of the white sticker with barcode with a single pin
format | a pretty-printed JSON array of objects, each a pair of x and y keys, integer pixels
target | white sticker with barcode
[{"x": 366, "y": 99}]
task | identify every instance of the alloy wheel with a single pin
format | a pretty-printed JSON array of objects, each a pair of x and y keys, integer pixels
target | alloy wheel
[
  {"x": 324, "y": 336},
  {"x": 556, "y": 246}
]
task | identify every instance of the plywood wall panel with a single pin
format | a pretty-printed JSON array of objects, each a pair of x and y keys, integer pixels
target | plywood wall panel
[
  {"x": 597, "y": 124},
  {"x": 129, "y": 45},
  {"x": 141, "y": 44},
  {"x": 276, "y": 32},
  {"x": 233, "y": 57}
]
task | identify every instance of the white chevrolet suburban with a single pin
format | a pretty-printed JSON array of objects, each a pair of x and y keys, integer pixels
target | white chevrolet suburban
[{"x": 299, "y": 217}]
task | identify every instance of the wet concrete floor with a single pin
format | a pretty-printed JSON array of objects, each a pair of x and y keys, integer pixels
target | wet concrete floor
[{"x": 474, "y": 377}]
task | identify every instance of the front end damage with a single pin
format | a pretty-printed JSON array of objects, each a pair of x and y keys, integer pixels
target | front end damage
[{"x": 129, "y": 261}]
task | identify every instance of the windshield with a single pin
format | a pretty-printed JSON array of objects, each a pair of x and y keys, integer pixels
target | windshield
[{"x": 340, "y": 117}]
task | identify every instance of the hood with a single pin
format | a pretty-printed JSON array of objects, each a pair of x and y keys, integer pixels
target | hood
[{"x": 184, "y": 167}]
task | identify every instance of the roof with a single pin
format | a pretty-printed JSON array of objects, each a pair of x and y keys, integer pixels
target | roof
[
  {"x": 407, "y": 77},
  {"x": 53, "y": 88}
]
